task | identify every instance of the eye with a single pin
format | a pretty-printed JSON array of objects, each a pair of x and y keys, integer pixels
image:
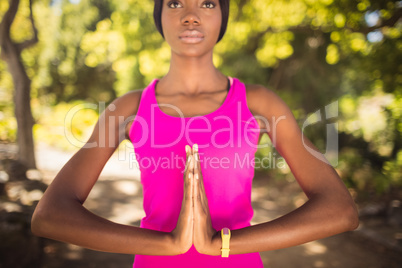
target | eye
[
  {"x": 209, "y": 4},
  {"x": 174, "y": 4}
]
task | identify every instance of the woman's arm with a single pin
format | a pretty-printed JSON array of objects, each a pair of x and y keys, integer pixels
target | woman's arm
[
  {"x": 329, "y": 210},
  {"x": 60, "y": 214}
]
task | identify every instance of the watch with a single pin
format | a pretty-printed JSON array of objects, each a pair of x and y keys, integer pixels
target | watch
[{"x": 225, "y": 234}]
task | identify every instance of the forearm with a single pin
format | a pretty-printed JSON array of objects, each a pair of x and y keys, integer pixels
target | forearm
[
  {"x": 310, "y": 222},
  {"x": 77, "y": 225}
]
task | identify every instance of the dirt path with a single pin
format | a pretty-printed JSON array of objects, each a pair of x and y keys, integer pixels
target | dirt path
[{"x": 119, "y": 198}]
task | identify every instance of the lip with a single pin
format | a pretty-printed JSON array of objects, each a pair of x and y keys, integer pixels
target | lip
[{"x": 191, "y": 36}]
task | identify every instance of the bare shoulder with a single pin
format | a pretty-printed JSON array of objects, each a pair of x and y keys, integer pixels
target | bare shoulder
[
  {"x": 127, "y": 105},
  {"x": 264, "y": 102}
]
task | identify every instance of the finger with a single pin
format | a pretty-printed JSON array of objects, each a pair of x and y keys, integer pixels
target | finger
[
  {"x": 199, "y": 178},
  {"x": 202, "y": 192},
  {"x": 196, "y": 197},
  {"x": 191, "y": 176},
  {"x": 196, "y": 157},
  {"x": 196, "y": 176},
  {"x": 190, "y": 163},
  {"x": 197, "y": 167},
  {"x": 188, "y": 153},
  {"x": 200, "y": 204},
  {"x": 198, "y": 162},
  {"x": 188, "y": 202},
  {"x": 187, "y": 162},
  {"x": 199, "y": 197},
  {"x": 188, "y": 191},
  {"x": 191, "y": 179},
  {"x": 202, "y": 188},
  {"x": 197, "y": 170}
]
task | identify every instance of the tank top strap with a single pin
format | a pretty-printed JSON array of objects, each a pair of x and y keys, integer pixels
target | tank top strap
[
  {"x": 239, "y": 97},
  {"x": 143, "y": 111},
  {"x": 238, "y": 92},
  {"x": 147, "y": 99}
]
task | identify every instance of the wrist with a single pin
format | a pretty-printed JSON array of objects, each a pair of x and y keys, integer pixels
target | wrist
[
  {"x": 216, "y": 244},
  {"x": 213, "y": 247},
  {"x": 175, "y": 245}
]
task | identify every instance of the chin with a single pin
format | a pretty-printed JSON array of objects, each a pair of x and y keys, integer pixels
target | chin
[
  {"x": 191, "y": 54},
  {"x": 192, "y": 50}
]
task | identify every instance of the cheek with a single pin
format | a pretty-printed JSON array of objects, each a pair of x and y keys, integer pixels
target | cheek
[{"x": 216, "y": 23}]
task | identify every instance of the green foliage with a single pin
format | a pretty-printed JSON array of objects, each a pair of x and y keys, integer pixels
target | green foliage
[
  {"x": 8, "y": 127},
  {"x": 8, "y": 123},
  {"x": 65, "y": 126}
]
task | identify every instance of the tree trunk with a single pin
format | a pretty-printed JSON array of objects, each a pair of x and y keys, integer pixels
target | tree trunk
[{"x": 11, "y": 54}]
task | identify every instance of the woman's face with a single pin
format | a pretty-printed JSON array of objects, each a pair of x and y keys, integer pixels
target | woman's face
[{"x": 191, "y": 27}]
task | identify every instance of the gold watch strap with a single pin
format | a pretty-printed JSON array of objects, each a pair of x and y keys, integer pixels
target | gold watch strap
[{"x": 225, "y": 234}]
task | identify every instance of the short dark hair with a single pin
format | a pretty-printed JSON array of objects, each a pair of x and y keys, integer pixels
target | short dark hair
[{"x": 224, "y": 9}]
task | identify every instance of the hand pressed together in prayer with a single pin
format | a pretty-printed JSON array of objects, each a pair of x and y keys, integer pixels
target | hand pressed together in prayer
[{"x": 194, "y": 224}]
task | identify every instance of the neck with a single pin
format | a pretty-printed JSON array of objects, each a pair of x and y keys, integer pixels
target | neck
[{"x": 192, "y": 75}]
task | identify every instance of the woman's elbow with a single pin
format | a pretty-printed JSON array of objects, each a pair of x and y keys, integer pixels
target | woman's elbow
[
  {"x": 350, "y": 216},
  {"x": 39, "y": 222},
  {"x": 36, "y": 223}
]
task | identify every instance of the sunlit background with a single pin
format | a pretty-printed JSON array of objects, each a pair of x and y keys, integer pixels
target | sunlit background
[{"x": 310, "y": 52}]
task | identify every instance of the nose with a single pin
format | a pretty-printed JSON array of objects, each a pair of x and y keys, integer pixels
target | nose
[{"x": 190, "y": 17}]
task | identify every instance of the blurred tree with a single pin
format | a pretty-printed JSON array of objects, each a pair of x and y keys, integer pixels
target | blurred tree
[
  {"x": 64, "y": 72},
  {"x": 11, "y": 53}
]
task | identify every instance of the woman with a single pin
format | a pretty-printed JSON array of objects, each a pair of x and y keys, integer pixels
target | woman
[{"x": 187, "y": 205}]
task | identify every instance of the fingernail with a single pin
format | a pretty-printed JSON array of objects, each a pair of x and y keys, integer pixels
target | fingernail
[
  {"x": 187, "y": 148},
  {"x": 195, "y": 147}
]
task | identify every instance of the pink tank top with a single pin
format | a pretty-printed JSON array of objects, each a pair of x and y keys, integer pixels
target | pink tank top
[{"x": 227, "y": 140}]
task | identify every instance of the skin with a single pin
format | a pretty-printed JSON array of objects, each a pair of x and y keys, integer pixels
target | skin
[{"x": 328, "y": 211}]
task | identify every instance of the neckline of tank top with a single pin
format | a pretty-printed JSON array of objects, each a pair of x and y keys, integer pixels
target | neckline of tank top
[{"x": 230, "y": 91}]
